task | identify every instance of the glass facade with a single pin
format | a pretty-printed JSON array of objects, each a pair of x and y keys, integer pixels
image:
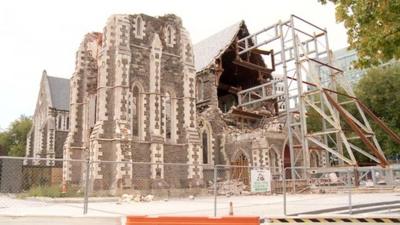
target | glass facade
[{"x": 343, "y": 59}]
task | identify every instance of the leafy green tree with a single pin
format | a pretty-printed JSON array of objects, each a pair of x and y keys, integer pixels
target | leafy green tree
[
  {"x": 13, "y": 140},
  {"x": 373, "y": 28},
  {"x": 379, "y": 90}
]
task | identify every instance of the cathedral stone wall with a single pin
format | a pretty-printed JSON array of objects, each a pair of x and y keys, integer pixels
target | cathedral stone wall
[{"x": 133, "y": 99}]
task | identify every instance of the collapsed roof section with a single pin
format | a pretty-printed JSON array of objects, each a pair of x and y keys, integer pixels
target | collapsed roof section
[
  {"x": 233, "y": 71},
  {"x": 211, "y": 48}
]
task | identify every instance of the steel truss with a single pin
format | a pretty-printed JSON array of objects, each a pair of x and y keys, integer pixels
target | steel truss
[{"x": 314, "y": 88}]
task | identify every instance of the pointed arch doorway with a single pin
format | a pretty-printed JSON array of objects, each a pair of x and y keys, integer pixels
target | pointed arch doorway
[
  {"x": 287, "y": 162},
  {"x": 240, "y": 169}
]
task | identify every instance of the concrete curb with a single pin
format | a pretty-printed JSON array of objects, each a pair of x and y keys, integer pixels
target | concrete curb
[
  {"x": 60, "y": 220},
  {"x": 72, "y": 200}
]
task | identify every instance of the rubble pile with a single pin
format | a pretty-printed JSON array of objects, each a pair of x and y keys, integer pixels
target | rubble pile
[
  {"x": 231, "y": 187},
  {"x": 135, "y": 198}
]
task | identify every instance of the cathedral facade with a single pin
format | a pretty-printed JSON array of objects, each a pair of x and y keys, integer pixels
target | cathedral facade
[
  {"x": 142, "y": 93},
  {"x": 133, "y": 99}
]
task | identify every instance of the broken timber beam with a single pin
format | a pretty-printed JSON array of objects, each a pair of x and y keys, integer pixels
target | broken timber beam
[
  {"x": 251, "y": 66},
  {"x": 357, "y": 130}
]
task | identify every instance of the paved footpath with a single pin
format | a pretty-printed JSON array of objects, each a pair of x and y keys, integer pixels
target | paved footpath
[{"x": 242, "y": 205}]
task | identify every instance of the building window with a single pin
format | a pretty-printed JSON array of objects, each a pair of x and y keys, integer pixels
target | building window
[
  {"x": 168, "y": 115},
  {"x": 67, "y": 122},
  {"x": 139, "y": 26},
  {"x": 59, "y": 122},
  {"x": 169, "y": 33},
  {"x": 135, "y": 111},
  {"x": 314, "y": 159},
  {"x": 205, "y": 146},
  {"x": 200, "y": 90}
]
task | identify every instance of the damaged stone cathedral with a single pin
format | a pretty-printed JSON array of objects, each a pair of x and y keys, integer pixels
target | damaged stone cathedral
[{"x": 141, "y": 92}]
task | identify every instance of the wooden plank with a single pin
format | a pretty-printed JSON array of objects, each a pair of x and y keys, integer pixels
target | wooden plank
[{"x": 252, "y": 66}]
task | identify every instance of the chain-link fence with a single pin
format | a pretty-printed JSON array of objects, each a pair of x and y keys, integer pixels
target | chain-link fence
[
  {"x": 40, "y": 186},
  {"x": 351, "y": 190},
  {"x": 240, "y": 189},
  {"x": 30, "y": 182}
]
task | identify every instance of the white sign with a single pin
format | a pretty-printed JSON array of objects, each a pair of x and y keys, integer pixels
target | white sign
[{"x": 260, "y": 180}]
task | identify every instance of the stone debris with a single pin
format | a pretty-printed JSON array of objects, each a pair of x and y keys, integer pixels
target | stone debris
[
  {"x": 136, "y": 198},
  {"x": 369, "y": 183},
  {"x": 148, "y": 198},
  {"x": 126, "y": 198},
  {"x": 232, "y": 187}
]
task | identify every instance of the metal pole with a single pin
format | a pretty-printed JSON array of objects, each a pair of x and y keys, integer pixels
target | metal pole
[
  {"x": 373, "y": 176},
  {"x": 215, "y": 190},
  {"x": 349, "y": 187},
  {"x": 284, "y": 191},
  {"x": 301, "y": 105},
  {"x": 390, "y": 176},
  {"x": 287, "y": 100},
  {"x": 86, "y": 200}
]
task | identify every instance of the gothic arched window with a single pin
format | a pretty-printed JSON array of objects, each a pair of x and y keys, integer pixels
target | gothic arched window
[
  {"x": 168, "y": 115},
  {"x": 139, "y": 27},
  {"x": 139, "y": 22},
  {"x": 135, "y": 111},
  {"x": 59, "y": 122},
  {"x": 205, "y": 138},
  {"x": 314, "y": 159},
  {"x": 169, "y": 33},
  {"x": 200, "y": 90}
]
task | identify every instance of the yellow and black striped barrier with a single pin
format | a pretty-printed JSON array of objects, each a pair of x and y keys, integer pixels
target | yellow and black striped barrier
[{"x": 330, "y": 220}]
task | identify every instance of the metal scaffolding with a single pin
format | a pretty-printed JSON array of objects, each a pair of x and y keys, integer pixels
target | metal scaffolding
[{"x": 314, "y": 89}]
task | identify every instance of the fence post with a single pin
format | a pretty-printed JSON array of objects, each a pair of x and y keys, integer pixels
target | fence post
[
  {"x": 86, "y": 196},
  {"x": 349, "y": 188},
  {"x": 293, "y": 181},
  {"x": 284, "y": 191},
  {"x": 373, "y": 176},
  {"x": 215, "y": 190},
  {"x": 389, "y": 176}
]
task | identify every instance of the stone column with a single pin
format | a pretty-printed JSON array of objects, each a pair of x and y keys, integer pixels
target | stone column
[
  {"x": 155, "y": 103},
  {"x": 110, "y": 139},
  {"x": 189, "y": 105}
]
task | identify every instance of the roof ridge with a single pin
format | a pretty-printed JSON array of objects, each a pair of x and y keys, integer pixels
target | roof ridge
[
  {"x": 226, "y": 28},
  {"x": 59, "y": 77},
  {"x": 210, "y": 48}
]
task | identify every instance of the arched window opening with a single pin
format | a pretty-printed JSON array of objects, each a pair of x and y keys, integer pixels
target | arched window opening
[
  {"x": 135, "y": 111},
  {"x": 59, "y": 122},
  {"x": 139, "y": 30},
  {"x": 314, "y": 159},
  {"x": 200, "y": 90},
  {"x": 168, "y": 115},
  {"x": 67, "y": 122},
  {"x": 239, "y": 169},
  {"x": 205, "y": 147},
  {"x": 169, "y": 35}
]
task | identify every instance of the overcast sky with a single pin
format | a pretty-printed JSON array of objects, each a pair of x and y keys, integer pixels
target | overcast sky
[{"x": 39, "y": 34}]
